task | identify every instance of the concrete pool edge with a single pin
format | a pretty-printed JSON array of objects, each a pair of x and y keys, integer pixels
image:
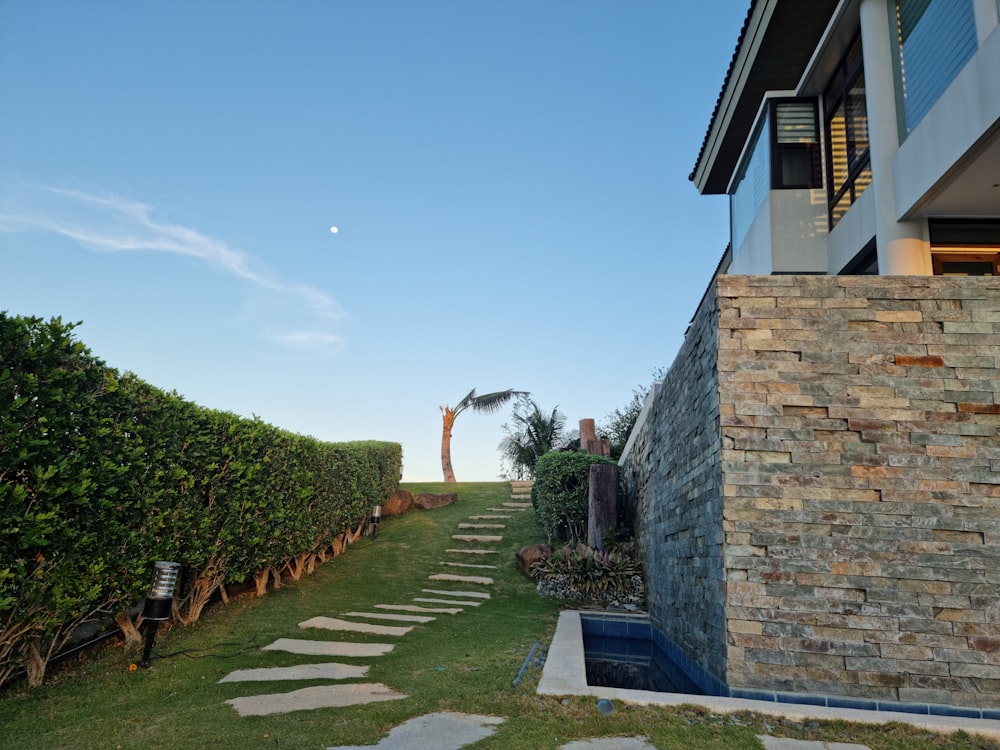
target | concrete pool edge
[{"x": 565, "y": 673}]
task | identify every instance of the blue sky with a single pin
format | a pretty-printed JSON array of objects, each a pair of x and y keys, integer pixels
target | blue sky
[{"x": 509, "y": 181}]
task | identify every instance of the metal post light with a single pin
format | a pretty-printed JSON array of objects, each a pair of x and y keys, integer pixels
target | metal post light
[
  {"x": 158, "y": 603},
  {"x": 376, "y": 519}
]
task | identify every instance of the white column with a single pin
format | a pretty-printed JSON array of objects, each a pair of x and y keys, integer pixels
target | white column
[
  {"x": 902, "y": 248},
  {"x": 986, "y": 18}
]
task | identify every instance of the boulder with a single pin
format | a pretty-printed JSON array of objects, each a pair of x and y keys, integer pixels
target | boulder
[
  {"x": 528, "y": 556},
  {"x": 401, "y": 502},
  {"x": 429, "y": 501}
]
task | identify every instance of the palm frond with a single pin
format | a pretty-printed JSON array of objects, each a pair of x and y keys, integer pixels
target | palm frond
[{"x": 491, "y": 402}]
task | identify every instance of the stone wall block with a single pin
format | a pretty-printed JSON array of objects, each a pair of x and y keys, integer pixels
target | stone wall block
[{"x": 817, "y": 487}]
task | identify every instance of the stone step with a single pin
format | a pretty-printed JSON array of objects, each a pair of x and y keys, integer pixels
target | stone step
[
  {"x": 477, "y": 538},
  {"x": 328, "y": 648},
  {"x": 517, "y": 505},
  {"x": 330, "y": 670},
  {"x": 481, "y": 526},
  {"x": 447, "y": 601},
  {"x": 469, "y": 565},
  {"x": 461, "y": 579},
  {"x": 414, "y": 608},
  {"x": 444, "y": 731},
  {"x": 473, "y": 551},
  {"x": 321, "y": 696},
  {"x": 385, "y": 616},
  {"x": 509, "y": 510},
  {"x": 470, "y": 594},
  {"x": 490, "y": 518},
  {"x": 335, "y": 623}
]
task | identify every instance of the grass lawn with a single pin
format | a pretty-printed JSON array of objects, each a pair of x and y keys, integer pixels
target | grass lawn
[{"x": 465, "y": 662}]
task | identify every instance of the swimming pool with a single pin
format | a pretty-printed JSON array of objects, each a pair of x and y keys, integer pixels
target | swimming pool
[{"x": 619, "y": 652}]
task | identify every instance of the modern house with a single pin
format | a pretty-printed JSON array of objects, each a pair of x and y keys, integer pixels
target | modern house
[
  {"x": 815, "y": 486},
  {"x": 860, "y": 137}
]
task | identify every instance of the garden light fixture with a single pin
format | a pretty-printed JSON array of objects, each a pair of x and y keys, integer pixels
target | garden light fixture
[
  {"x": 158, "y": 603},
  {"x": 376, "y": 519}
]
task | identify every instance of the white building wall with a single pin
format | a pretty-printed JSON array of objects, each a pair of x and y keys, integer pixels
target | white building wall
[{"x": 852, "y": 233}]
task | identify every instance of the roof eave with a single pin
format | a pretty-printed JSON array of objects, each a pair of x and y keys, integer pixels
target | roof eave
[{"x": 775, "y": 45}]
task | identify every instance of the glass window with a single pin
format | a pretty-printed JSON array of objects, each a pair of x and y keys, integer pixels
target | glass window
[
  {"x": 936, "y": 39},
  {"x": 847, "y": 155},
  {"x": 796, "y": 145},
  {"x": 752, "y": 185},
  {"x": 966, "y": 264},
  {"x": 965, "y": 247}
]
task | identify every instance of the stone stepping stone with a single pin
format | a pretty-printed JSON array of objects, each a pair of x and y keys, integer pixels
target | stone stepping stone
[
  {"x": 329, "y": 648},
  {"x": 481, "y": 526},
  {"x": 441, "y": 731},
  {"x": 469, "y": 565},
  {"x": 490, "y": 517},
  {"x": 473, "y": 551},
  {"x": 461, "y": 579},
  {"x": 335, "y": 623},
  {"x": 447, "y": 601},
  {"x": 517, "y": 505},
  {"x": 322, "y": 696},
  {"x": 507, "y": 510},
  {"x": 384, "y": 616},
  {"x": 472, "y": 594},
  {"x": 324, "y": 671},
  {"x": 477, "y": 538},
  {"x": 412, "y": 608},
  {"x": 613, "y": 743}
]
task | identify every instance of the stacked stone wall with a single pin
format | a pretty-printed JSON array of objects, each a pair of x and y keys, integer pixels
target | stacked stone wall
[
  {"x": 673, "y": 484},
  {"x": 859, "y": 483}
]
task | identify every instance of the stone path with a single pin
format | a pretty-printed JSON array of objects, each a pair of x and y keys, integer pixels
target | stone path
[{"x": 467, "y": 592}]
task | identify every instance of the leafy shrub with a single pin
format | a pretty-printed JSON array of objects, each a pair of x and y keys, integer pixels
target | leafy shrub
[
  {"x": 560, "y": 493},
  {"x": 591, "y": 572},
  {"x": 102, "y": 474}
]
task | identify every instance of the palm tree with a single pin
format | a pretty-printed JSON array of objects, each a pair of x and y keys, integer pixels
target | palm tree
[
  {"x": 487, "y": 403},
  {"x": 532, "y": 435}
]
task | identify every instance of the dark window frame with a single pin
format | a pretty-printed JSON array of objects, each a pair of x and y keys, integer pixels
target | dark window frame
[
  {"x": 814, "y": 149},
  {"x": 850, "y": 69}
]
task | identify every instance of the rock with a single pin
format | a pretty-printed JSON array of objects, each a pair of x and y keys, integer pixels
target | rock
[
  {"x": 401, "y": 502},
  {"x": 429, "y": 501},
  {"x": 527, "y": 556}
]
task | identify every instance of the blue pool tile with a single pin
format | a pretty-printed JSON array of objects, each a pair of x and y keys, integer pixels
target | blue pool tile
[
  {"x": 905, "y": 708},
  {"x": 753, "y": 695},
  {"x": 805, "y": 699},
  {"x": 834, "y": 701},
  {"x": 937, "y": 709},
  {"x": 641, "y": 630}
]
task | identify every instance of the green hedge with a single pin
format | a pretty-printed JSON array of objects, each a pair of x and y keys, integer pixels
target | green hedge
[
  {"x": 560, "y": 493},
  {"x": 101, "y": 474}
]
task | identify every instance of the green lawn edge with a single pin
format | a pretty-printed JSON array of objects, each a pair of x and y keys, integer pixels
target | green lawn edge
[{"x": 465, "y": 663}]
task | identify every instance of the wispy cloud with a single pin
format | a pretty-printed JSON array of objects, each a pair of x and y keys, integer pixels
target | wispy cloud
[{"x": 107, "y": 222}]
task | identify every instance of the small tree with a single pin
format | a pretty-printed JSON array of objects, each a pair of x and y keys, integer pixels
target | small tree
[
  {"x": 619, "y": 423},
  {"x": 531, "y": 435},
  {"x": 487, "y": 403}
]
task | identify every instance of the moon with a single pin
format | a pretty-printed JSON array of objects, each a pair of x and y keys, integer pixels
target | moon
[{"x": 334, "y": 230}]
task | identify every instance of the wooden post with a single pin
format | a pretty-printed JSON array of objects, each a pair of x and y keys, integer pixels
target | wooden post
[
  {"x": 589, "y": 442},
  {"x": 603, "y": 503}
]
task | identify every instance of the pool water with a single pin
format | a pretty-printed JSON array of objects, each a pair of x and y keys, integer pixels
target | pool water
[{"x": 619, "y": 652}]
